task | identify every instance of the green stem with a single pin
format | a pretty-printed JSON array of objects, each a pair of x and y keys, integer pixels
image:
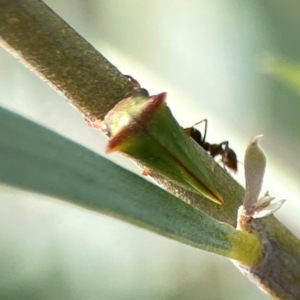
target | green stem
[
  {"x": 34, "y": 34},
  {"x": 55, "y": 52}
]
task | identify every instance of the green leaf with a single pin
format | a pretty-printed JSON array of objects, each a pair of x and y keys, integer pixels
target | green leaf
[
  {"x": 144, "y": 128},
  {"x": 36, "y": 159}
]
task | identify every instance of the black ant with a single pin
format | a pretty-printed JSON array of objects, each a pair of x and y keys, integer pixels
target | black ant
[{"x": 229, "y": 158}]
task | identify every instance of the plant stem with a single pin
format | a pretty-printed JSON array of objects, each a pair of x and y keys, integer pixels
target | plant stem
[
  {"x": 46, "y": 44},
  {"x": 55, "y": 52}
]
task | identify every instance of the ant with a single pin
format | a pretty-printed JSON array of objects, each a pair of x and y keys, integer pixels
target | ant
[{"x": 229, "y": 158}]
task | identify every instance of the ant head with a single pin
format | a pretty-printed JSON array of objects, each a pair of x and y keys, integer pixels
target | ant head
[{"x": 194, "y": 134}]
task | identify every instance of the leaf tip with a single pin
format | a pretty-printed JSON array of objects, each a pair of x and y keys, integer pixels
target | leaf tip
[{"x": 255, "y": 139}]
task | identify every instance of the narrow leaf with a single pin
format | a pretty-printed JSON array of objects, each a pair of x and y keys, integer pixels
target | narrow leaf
[{"x": 36, "y": 159}]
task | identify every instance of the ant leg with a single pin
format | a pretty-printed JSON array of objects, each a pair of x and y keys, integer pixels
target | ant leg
[
  {"x": 223, "y": 152},
  {"x": 226, "y": 146},
  {"x": 229, "y": 158}
]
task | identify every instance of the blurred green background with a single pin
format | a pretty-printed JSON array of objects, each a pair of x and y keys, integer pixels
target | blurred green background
[{"x": 207, "y": 56}]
